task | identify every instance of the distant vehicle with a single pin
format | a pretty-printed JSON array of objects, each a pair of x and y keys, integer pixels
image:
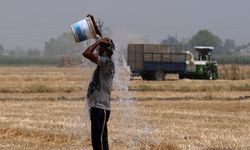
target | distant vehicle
[{"x": 154, "y": 61}]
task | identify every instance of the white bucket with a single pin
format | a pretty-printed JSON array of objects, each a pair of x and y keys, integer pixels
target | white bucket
[{"x": 83, "y": 30}]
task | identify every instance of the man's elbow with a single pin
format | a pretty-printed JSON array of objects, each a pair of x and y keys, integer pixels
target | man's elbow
[
  {"x": 84, "y": 54},
  {"x": 87, "y": 55}
]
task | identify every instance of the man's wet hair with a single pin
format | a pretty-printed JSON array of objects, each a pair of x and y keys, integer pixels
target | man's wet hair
[{"x": 109, "y": 46}]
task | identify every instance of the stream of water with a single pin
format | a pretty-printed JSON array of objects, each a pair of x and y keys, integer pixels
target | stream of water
[{"x": 124, "y": 98}]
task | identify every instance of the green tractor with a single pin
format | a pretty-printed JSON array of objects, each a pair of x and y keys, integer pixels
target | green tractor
[{"x": 205, "y": 66}]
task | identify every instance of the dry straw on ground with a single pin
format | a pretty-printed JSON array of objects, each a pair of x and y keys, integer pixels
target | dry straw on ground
[
  {"x": 168, "y": 115},
  {"x": 234, "y": 72}
]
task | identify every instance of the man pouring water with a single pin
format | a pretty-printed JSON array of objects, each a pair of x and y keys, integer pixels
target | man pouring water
[
  {"x": 100, "y": 86},
  {"x": 99, "y": 91}
]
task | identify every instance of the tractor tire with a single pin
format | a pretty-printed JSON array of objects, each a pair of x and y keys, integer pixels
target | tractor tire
[
  {"x": 209, "y": 74},
  {"x": 160, "y": 75}
]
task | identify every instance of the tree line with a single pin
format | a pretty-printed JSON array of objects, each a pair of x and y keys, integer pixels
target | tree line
[
  {"x": 64, "y": 47},
  {"x": 226, "y": 52},
  {"x": 56, "y": 50}
]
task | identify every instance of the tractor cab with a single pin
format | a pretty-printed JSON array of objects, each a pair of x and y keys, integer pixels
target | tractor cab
[
  {"x": 204, "y": 53},
  {"x": 205, "y": 65}
]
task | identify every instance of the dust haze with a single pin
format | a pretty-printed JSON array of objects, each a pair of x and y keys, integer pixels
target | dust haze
[{"x": 29, "y": 23}]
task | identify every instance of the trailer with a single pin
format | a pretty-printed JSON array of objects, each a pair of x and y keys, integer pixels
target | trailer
[{"x": 154, "y": 61}]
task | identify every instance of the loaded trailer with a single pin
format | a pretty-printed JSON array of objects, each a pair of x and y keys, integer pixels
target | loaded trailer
[{"x": 154, "y": 61}]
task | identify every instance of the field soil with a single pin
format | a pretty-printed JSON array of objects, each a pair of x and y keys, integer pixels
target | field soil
[{"x": 44, "y": 108}]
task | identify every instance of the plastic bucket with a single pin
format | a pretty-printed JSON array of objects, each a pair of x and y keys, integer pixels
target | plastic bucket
[{"x": 83, "y": 30}]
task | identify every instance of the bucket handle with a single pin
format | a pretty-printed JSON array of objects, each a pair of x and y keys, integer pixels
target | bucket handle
[{"x": 98, "y": 32}]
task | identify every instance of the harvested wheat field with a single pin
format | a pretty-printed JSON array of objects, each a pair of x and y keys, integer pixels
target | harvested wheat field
[{"x": 44, "y": 108}]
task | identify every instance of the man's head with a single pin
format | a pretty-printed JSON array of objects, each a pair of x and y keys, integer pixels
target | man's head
[{"x": 107, "y": 48}]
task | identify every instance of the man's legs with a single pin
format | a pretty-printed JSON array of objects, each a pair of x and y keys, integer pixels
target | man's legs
[
  {"x": 99, "y": 132},
  {"x": 105, "y": 132}
]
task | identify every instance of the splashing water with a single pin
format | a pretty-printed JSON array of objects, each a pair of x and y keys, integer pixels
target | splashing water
[
  {"x": 128, "y": 124},
  {"x": 120, "y": 94},
  {"x": 122, "y": 77},
  {"x": 125, "y": 99},
  {"x": 125, "y": 125}
]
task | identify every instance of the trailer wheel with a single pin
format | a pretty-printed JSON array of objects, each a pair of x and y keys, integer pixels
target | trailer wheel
[
  {"x": 146, "y": 76},
  {"x": 181, "y": 76},
  {"x": 160, "y": 75}
]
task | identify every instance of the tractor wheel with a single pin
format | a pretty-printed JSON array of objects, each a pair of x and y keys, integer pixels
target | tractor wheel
[
  {"x": 209, "y": 74},
  {"x": 216, "y": 76},
  {"x": 160, "y": 75}
]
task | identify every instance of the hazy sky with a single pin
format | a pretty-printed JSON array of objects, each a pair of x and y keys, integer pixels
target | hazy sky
[{"x": 29, "y": 23}]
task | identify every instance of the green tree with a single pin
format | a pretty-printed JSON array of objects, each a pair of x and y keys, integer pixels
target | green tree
[
  {"x": 229, "y": 47},
  {"x": 205, "y": 38},
  {"x": 18, "y": 51},
  {"x": 33, "y": 52},
  {"x": 229, "y": 44},
  {"x": 62, "y": 45},
  {"x": 1, "y": 49},
  {"x": 170, "y": 40}
]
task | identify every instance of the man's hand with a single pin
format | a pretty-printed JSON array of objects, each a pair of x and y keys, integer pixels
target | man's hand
[
  {"x": 96, "y": 28},
  {"x": 91, "y": 16},
  {"x": 104, "y": 41}
]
